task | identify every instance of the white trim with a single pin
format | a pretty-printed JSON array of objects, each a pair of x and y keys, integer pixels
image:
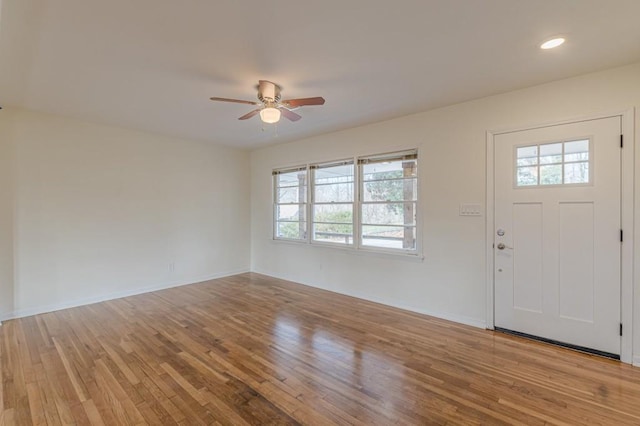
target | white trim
[
  {"x": 627, "y": 221},
  {"x": 627, "y": 211},
  {"x": 570, "y": 120},
  {"x": 489, "y": 228},
  {"x": 636, "y": 361},
  {"x": 473, "y": 322},
  {"x": 115, "y": 295}
]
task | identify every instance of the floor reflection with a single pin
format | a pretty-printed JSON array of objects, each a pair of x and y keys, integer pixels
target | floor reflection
[{"x": 306, "y": 351}]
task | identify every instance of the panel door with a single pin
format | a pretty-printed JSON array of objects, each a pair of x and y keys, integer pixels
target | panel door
[{"x": 557, "y": 233}]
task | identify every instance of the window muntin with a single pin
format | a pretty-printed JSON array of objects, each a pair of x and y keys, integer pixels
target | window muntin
[
  {"x": 333, "y": 200},
  {"x": 560, "y": 163},
  {"x": 388, "y": 206},
  {"x": 290, "y": 203}
]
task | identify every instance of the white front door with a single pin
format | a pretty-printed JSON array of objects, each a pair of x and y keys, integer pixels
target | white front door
[{"x": 557, "y": 233}]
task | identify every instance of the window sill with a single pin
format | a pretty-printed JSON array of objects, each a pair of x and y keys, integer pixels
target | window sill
[{"x": 351, "y": 250}]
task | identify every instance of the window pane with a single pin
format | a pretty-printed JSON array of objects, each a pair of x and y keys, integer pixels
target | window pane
[
  {"x": 335, "y": 174},
  {"x": 292, "y": 194},
  {"x": 527, "y": 176},
  {"x": 551, "y": 175},
  {"x": 389, "y": 214},
  {"x": 391, "y": 190},
  {"x": 576, "y": 151},
  {"x": 527, "y": 155},
  {"x": 333, "y": 233},
  {"x": 333, "y": 213},
  {"x": 293, "y": 230},
  {"x": 333, "y": 221},
  {"x": 576, "y": 172},
  {"x": 398, "y": 237},
  {"x": 389, "y": 194},
  {"x": 290, "y": 212},
  {"x": 390, "y": 170},
  {"x": 338, "y": 192},
  {"x": 550, "y": 153},
  {"x": 291, "y": 178}
]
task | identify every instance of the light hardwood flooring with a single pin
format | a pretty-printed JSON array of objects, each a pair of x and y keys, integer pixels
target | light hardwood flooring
[{"x": 250, "y": 349}]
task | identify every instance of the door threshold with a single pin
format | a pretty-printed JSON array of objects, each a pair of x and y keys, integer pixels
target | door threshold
[{"x": 557, "y": 343}]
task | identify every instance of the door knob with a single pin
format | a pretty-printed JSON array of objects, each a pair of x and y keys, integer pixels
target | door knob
[{"x": 501, "y": 246}]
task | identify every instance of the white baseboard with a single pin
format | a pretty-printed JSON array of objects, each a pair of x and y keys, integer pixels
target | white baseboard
[
  {"x": 20, "y": 313},
  {"x": 636, "y": 361},
  {"x": 442, "y": 315},
  {"x": 117, "y": 295}
]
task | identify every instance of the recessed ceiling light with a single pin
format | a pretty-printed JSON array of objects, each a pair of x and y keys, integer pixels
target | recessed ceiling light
[{"x": 554, "y": 42}]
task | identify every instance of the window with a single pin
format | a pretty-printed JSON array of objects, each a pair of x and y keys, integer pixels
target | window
[
  {"x": 333, "y": 188},
  {"x": 558, "y": 163},
  {"x": 368, "y": 202},
  {"x": 388, "y": 200},
  {"x": 290, "y": 204}
]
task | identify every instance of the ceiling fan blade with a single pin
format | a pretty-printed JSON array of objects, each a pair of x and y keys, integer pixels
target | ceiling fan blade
[
  {"x": 249, "y": 114},
  {"x": 237, "y": 101},
  {"x": 293, "y": 103},
  {"x": 289, "y": 114}
]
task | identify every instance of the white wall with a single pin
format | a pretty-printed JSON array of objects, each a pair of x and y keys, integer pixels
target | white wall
[
  {"x": 6, "y": 217},
  {"x": 450, "y": 282},
  {"x": 102, "y": 212}
]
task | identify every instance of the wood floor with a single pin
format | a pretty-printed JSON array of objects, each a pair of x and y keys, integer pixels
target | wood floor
[{"x": 251, "y": 349}]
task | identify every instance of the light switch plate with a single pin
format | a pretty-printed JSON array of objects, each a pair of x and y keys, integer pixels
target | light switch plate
[{"x": 470, "y": 210}]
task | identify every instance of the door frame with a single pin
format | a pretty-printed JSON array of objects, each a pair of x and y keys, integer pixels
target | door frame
[{"x": 626, "y": 210}]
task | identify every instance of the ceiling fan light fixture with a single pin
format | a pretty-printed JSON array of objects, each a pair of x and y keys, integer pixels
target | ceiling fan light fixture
[{"x": 270, "y": 115}]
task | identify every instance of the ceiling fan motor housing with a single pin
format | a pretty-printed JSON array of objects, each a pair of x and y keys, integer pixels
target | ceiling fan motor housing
[{"x": 268, "y": 92}]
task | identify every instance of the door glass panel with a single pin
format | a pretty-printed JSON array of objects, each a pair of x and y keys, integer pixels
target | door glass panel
[
  {"x": 551, "y": 153},
  {"x": 576, "y": 151},
  {"x": 559, "y": 163},
  {"x": 528, "y": 155},
  {"x": 576, "y": 172},
  {"x": 527, "y": 176},
  {"x": 551, "y": 175}
]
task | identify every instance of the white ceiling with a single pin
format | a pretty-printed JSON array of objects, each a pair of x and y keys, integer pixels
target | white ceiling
[{"x": 153, "y": 64}]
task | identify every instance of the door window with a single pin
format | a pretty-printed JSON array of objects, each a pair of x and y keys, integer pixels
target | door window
[{"x": 559, "y": 163}]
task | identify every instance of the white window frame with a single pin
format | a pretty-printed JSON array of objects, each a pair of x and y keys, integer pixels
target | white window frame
[
  {"x": 358, "y": 182},
  {"x": 392, "y": 156},
  {"x": 312, "y": 201},
  {"x": 276, "y": 203}
]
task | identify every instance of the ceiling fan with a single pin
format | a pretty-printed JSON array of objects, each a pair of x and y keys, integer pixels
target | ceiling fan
[{"x": 271, "y": 107}]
